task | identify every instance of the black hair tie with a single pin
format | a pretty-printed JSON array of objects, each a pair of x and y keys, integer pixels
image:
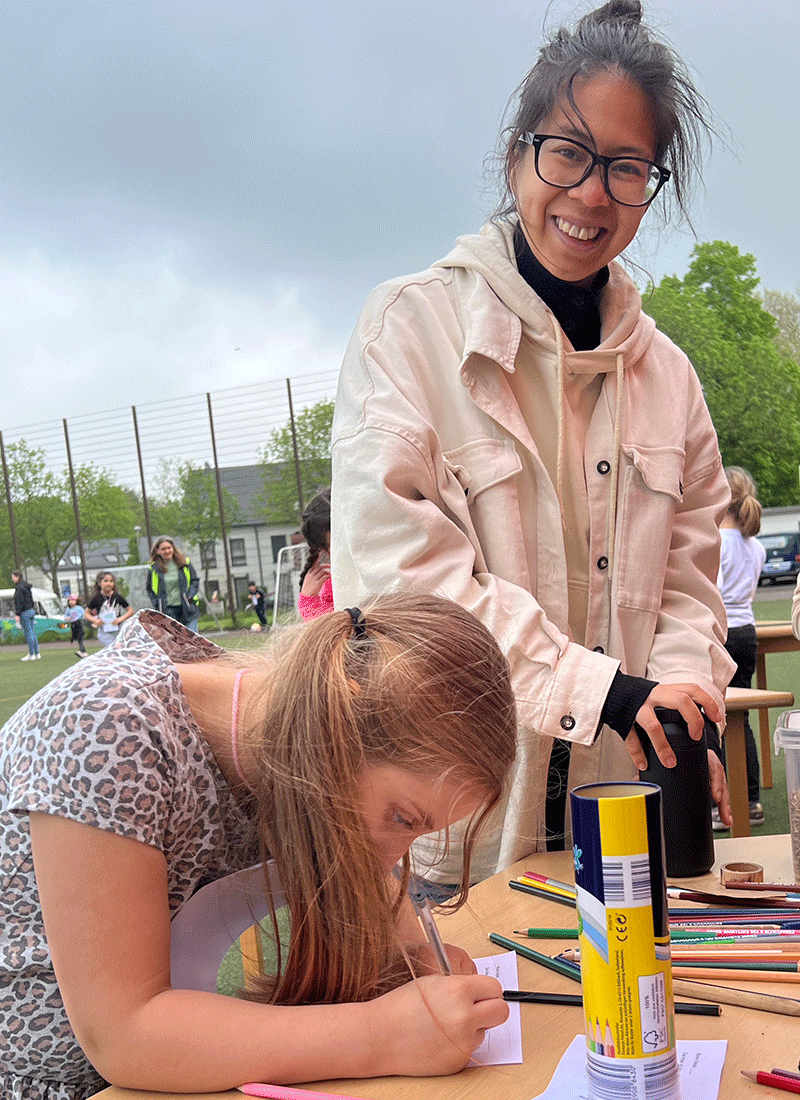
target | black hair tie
[{"x": 359, "y": 622}]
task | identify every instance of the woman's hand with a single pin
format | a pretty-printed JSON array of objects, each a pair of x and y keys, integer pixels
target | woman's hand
[
  {"x": 685, "y": 698},
  {"x": 431, "y": 1026},
  {"x": 719, "y": 788},
  {"x": 315, "y": 578}
]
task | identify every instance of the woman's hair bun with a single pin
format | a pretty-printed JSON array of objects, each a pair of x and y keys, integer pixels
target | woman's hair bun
[{"x": 618, "y": 11}]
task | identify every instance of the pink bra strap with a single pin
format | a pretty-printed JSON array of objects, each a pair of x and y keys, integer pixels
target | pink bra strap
[{"x": 235, "y": 726}]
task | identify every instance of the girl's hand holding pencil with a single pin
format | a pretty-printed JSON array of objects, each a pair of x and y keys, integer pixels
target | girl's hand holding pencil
[{"x": 431, "y": 1026}]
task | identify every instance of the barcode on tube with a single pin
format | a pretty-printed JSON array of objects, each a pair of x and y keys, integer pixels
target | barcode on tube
[
  {"x": 622, "y": 1079},
  {"x": 626, "y": 881}
]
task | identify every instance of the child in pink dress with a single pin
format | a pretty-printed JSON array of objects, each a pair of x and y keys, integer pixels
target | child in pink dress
[{"x": 316, "y": 592}]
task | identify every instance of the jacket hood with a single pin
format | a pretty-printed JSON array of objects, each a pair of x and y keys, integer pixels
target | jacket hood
[{"x": 625, "y": 329}]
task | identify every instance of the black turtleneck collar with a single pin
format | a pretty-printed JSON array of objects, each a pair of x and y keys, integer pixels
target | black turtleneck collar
[{"x": 577, "y": 308}]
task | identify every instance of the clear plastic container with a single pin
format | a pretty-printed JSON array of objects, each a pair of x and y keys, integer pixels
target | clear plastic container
[{"x": 787, "y": 737}]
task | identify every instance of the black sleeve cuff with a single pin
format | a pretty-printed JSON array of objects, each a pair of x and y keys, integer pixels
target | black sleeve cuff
[{"x": 625, "y": 697}]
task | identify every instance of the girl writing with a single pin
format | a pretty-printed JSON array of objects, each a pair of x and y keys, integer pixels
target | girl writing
[
  {"x": 132, "y": 779},
  {"x": 514, "y": 433}
]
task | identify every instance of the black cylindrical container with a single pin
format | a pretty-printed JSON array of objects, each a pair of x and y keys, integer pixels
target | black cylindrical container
[{"x": 685, "y": 797}]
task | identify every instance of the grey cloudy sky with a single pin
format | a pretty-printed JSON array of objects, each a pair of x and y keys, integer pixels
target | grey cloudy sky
[{"x": 185, "y": 178}]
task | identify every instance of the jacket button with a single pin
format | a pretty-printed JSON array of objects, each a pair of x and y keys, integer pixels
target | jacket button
[
  {"x": 602, "y": 563},
  {"x": 567, "y": 722},
  {"x": 598, "y": 649},
  {"x": 603, "y": 467}
]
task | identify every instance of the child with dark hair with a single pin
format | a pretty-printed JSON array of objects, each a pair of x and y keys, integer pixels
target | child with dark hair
[{"x": 316, "y": 593}]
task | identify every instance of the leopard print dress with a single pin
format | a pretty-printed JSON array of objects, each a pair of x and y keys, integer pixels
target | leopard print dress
[{"x": 111, "y": 743}]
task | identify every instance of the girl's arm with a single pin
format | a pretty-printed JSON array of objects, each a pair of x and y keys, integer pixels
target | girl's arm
[
  {"x": 125, "y": 615},
  {"x": 104, "y": 900}
]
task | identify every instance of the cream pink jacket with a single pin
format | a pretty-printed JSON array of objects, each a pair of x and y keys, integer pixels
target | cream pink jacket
[{"x": 430, "y": 493}]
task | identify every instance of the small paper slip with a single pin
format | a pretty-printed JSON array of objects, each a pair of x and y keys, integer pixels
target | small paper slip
[
  {"x": 502, "y": 1045},
  {"x": 700, "y": 1064}
]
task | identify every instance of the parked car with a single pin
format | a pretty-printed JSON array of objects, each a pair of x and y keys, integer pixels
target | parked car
[
  {"x": 783, "y": 557},
  {"x": 49, "y": 614}
]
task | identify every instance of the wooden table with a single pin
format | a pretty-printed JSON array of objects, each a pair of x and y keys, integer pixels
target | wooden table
[
  {"x": 773, "y": 637},
  {"x": 737, "y": 703},
  {"x": 756, "y": 1040}
]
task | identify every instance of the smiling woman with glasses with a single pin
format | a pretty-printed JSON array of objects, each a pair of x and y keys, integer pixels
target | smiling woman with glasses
[{"x": 513, "y": 431}]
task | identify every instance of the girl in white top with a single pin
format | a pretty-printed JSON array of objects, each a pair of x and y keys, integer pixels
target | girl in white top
[{"x": 741, "y": 561}]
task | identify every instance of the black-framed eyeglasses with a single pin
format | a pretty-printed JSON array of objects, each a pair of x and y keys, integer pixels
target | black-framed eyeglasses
[{"x": 562, "y": 162}]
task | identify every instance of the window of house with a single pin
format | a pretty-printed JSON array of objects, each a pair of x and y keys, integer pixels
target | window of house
[
  {"x": 278, "y": 542},
  {"x": 208, "y": 555},
  {"x": 238, "y": 555}
]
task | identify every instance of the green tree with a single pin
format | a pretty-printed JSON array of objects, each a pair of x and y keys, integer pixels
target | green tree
[
  {"x": 785, "y": 308},
  {"x": 751, "y": 384},
  {"x": 313, "y": 430},
  {"x": 43, "y": 513}
]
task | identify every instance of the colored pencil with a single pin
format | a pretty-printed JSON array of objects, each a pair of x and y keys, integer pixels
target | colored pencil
[
  {"x": 774, "y": 1080},
  {"x": 528, "y": 997},
  {"x": 567, "y": 969},
  {"x": 786, "y": 1073},
  {"x": 774, "y": 966},
  {"x": 732, "y": 995},
  {"x": 730, "y": 902},
  {"x": 538, "y": 892},
  {"x": 790, "y": 886},
  {"x": 550, "y": 881},
  {"x": 727, "y": 956},
  {"x": 726, "y": 974},
  {"x": 548, "y": 933},
  {"x": 547, "y": 887}
]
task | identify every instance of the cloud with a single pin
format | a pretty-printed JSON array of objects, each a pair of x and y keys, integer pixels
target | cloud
[{"x": 81, "y": 339}]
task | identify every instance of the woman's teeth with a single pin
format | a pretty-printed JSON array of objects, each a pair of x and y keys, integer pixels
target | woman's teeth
[{"x": 582, "y": 233}]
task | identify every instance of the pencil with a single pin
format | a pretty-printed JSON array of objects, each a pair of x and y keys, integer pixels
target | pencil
[
  {"x": 732, "y": 995},
  {"x": 524, "y": 996},
  {"x": 548, "y": 933},
  {"x": 725, "y": 974},
  {"x": 425, "y": 917},
  {"x": 788, "y": 886},
  {"x": 567, "y": 969},
  {"x": 773, "y": 1080},
  {"x": 540, "y": 892},
  {"x": 772, "y": 966},
  {"x": 550, "y": 881}
]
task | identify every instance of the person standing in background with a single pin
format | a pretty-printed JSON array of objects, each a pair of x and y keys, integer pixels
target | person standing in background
[
  {"x": 25, "y": 613},
  {"x": 741, "y": 561},
  {"x": 316, "y": 593},
  {"x": 74, "y": 616},
  {"x": 258, "y": 602},
  {"x": 107, "y": 610},
  {"x": 173, "y": 584}
]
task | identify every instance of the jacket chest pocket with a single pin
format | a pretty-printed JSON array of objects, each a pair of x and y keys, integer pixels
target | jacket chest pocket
[
  {"x": 651, "y": 487},
  {"x": 486, "y": 470}
]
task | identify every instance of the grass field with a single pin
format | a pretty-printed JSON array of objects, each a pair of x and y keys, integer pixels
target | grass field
[{"x": 21, "y": 679}]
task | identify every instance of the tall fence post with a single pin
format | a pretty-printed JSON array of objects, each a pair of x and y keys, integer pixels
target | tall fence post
[
  {"x": 9, "y": 505},
  {"x": 76, "y": 510},
  {"x": 225, "y": 547},
  {"x": 147, "y": 526},
  {"x": 300, "y": 505}
]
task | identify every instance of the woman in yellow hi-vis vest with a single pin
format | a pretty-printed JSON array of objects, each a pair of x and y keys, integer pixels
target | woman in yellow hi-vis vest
[{"x": 172, "y": 583}]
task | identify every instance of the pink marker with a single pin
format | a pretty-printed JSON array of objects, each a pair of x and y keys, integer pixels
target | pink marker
[{"x": 281, "y": 1092}]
